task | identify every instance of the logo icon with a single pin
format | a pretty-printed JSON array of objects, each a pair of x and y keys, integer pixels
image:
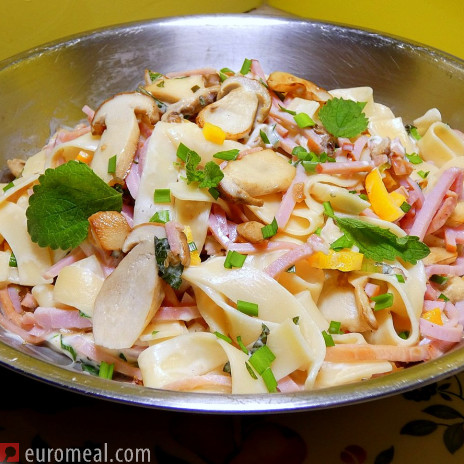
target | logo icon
[{"x": 9, "y": 452}]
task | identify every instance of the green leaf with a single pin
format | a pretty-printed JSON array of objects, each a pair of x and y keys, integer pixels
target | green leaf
[
  {"x": 212, "y": 175},
  {"x": 414, "y": 158},
  {"x": 68, "y": 348},
  {"x": 380, "y": 244},
  {"x": 343, "y": 118},
  {"x": 341, "y": 243},
  {"x": 63, "y": 201},
  {"x": 170, "y": 273},
  {"x": 191, "y": 163},
  {"x": 385, "y": 456},
  {"x": 443, "y": 412},
  {"x": 419, "y": 428},
  {"x": 453, "y": 437}
]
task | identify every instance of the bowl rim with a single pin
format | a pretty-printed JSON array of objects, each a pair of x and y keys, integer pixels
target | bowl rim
[{"x": 63, "y": 377}]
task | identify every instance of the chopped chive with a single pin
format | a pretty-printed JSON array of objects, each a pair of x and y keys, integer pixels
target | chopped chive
[
  {"x": 121, "y": 355},
  {"x": 269, "y": 380},
  {"x": 223, "y": 337},
  {"x": 246, "y": 67},
  {"x": 81, "y": 314},
  {"x": 404, "y": 334},
  {"x": 405, "y": 207},
  {"x": 195, "y": 88},
  {"x": 234, "y": 259},
  {"x": 192, "y": 246},
  {"x": 161, "y": 216},
  {"x": 112, "y": 165},
  {"x": 264, "y": 137},
  {"x": 296, "y": 320},
  {"x": 222, "y": 76},
  {"x": 270, "y": 230},
  {"x": 182, "y": 152},
  {"x": 262, "y": 359},
  {"x": 251, "y": 371},
  {"x": 68, "y": 348},
  {"x": 328, "y": 210},
  {"x": 412, "y": 131},
  {"x": 228, "y": 155},
  {"x": 443, "y": 297},
  {"x": 318, "y": 231},
  {"x": 241, "y": 345},
  {"x": 293, "y": 113},
  {"x": 214, "y": 192},
  {"x": 303, "y": 120},
  {"x": 383, "y": 301},
  {"x": 154, "y": 75},
  {"x": 106, "y": 370},
  {"x": 8, "y": 186},
  {"x": 400, "y": 278},
  {"x": 364, "y": 197},
  {"x": 251, "y": 309},
  {"x": 334, "y": 327},
  {"x": 310, "y": 166},
  {"x": 329, "y": 341},
  {"x": 161, "y": 84},
  {"x": 90, "y": 369},
  {"x": 162, "y": 196},
  {"x": 414, "y": 158},
  {"x": 155, "y": 332},
  {"x": 12, "y": 262},
  {"x": 423, "y": 174},
  {"x": 291, "y": 269},
  {"x": 438, "y": 279},
  {"x": 301, "y": 153}
]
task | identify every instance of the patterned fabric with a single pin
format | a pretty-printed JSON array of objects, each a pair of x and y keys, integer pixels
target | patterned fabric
[{"x": 423, "y": 426}]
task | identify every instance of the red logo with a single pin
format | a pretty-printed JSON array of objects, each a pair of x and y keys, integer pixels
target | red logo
[{"x": 9, "y": 452}]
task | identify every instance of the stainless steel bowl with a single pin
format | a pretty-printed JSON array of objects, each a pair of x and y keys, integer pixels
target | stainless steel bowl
[{"x": 53, "y": 82}]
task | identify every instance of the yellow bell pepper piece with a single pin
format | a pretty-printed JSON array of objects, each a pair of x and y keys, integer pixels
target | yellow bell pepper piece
[
  {"x": 84, "y": 157},
  {"x": 195, "y": 259},
  {"x": 384, "y": 204},
  {"x": 213, "y": 133},
  {"x": 342, "y": 260},
  {"x": 433, "y": 316}
]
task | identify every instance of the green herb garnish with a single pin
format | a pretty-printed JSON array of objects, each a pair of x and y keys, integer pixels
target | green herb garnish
[
  {"x": 154, "y": 75},
  {"x": 423, "y": 174},
  {"x": 412, "y": 131},
  {"x": 12, "y": 262},
  {"x": 329, "y": 341},
  {"x": 162, "y": 196},
  {"x": 242, "y": 345},
  {"x": 270, "y": 230},
  {"x": 293, "y": 113},
  {"x": 343, "y": 118},
  {"x": 170, "y": 273},
  {"x": 8, "y": 186},
  {"x": 68, "y": 348},
  {"x": 400, "y": 278},
  {"x": 229, "y": 155},
  {"x": 405, "y": 207},
  {"x": 234, "y": 259},
  {"x": 438, "y": 279},
  {"x": 251, "y": 309},
  {"x": 112, "y": 165},
  {"x": 414, "y": 158},
  {"x": 223, "y": 337},
  {"x": 246, "y": 67},
  {"x": 443, "y": 297},
  {"x": 377, "y": 243},
  {"x": 161, "y": 217},
  {"x": 209, "y": 177},
  {"x": 383, "y": 301},
  {"x": 63, "y": 201},
  {"x": 106, "y": 370},
  {"x": 303, "y": 120},
  {"x": 335, "y": 328}
]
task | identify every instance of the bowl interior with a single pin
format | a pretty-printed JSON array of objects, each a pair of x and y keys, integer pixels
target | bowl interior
[{"x": 47, "y": 87}]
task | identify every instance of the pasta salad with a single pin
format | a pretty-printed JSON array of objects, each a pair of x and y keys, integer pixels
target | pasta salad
[{"x": 238, "y": 232}]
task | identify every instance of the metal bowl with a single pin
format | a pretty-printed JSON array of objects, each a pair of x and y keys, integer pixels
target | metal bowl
[{"x": 53, "y": 82}]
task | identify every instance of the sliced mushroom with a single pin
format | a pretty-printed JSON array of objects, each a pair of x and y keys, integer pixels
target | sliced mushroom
[
  {"x": 190, "y": 106},
  {"x": 251, "y": 231},
  {"x": 141, "y": 233},
  {"x": 440, "y": 255},
  {"x": 456, "y": 218},
  {"x": 230, "y": 191},
  {"x": 288, "y": 83},
  {"x": 128, "y": 299},
  {"x": 178, "y": 242},
  {"x": 175, "y": 89},
  {"x": 116, "y": 121},
  {"x": 109, "y": 229},
  {"x": 261, "y": 173},
  {"x": 16, "y": 166},
  {"x": 454, "y": 289},
  {"x": 241, "y": 102},
  {"x": 362, "y": 301}
]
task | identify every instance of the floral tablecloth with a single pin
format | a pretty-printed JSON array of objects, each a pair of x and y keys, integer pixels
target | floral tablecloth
[{"x": 423, "y": 426}]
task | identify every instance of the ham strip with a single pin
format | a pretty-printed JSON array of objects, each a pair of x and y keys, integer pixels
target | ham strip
[
  {"x": 365, "y": 352},
  {"x": 434, "y": 199},
  {"x": 440, "y": 332},
  {"x": 76, "y": 255},
  {"x": 456, "y": 269},
  {"x": 179, "y": 313},
  {"x": 348, "y": 167},
  {"x": 55, "y": 318}
]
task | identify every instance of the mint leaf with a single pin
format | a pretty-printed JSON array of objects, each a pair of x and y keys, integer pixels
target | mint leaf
[
  {"x": 343, "y": 118},
  {"x": 341, "y": 243},
  {"x": 380, "y": 244},
  {"x": 209, "y": 177},
  {"x": 63, "y": 201},
  {"x": 212, "y": 175}
]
